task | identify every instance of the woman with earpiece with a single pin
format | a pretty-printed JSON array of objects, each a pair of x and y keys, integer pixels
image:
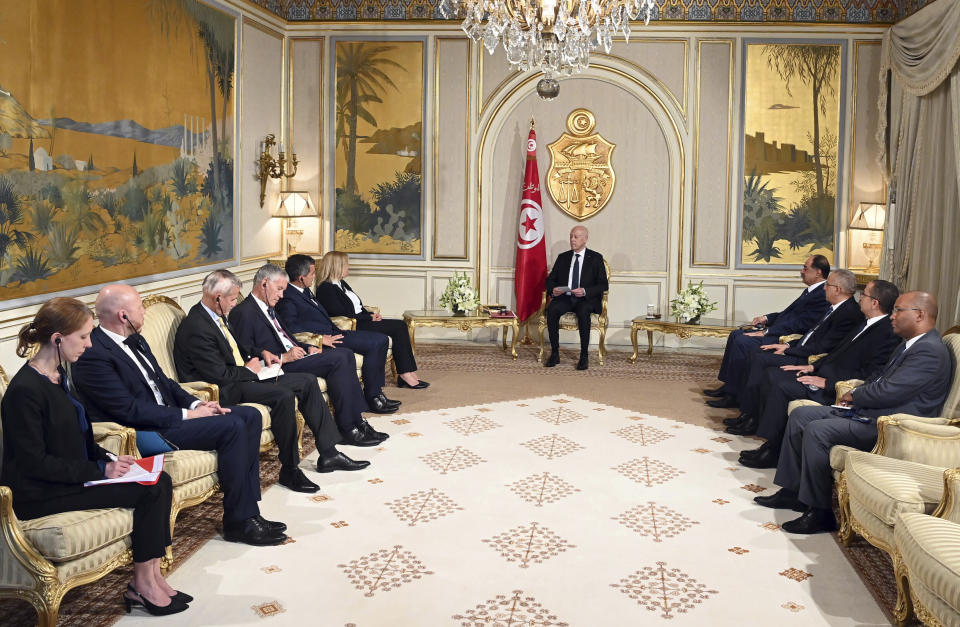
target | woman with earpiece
[
  {"x": 339, "y": 300},
  {"x": 49, "y": 452}
]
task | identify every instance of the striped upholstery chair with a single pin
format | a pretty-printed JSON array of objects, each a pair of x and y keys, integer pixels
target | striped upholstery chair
[
  {"x": 927, "y": 560},
  {"x": 41, "y": 559}
]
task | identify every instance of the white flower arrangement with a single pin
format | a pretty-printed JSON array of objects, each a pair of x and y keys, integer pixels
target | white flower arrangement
[
  {"x": 691, "y": 303},
  {"x": 459, "y": 294}
]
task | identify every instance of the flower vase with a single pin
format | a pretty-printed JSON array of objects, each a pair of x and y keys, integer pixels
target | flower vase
[
  {"x": 459, "y": 312},
  {"x": 694, "y": 320}
]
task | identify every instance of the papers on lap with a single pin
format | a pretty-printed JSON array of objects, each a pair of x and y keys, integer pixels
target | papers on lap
[
  {"x": 145, "y": 471},
  {"x": 270, "y": 372}
]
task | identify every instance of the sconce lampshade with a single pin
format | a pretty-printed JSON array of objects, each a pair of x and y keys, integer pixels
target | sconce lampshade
[
  {"x": 869, "y": 216},
  {"x": 294, "y": 205}
]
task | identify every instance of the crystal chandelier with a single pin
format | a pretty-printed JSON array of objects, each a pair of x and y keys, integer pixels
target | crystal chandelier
[{"x": 553, "y": 36}]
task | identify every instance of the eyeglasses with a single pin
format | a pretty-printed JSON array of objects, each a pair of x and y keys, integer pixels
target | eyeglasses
[
  {"x": 870, "y": 296},
  {"x": 901, "y": 309},
  {"x": 833, "y": 285}
]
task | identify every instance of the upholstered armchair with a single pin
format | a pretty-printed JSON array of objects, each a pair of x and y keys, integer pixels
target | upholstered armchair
[
  {"x": 43, "y": 558},
  {"x": 346, "y": 323},
  {"x": 568, "y": 321},
  {"x": 926, "y": 560}
]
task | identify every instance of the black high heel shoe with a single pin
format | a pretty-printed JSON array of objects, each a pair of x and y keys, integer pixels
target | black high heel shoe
[
  {"x": 179, "y": 597},
  {"x": 154, "y": 610},
  {"x": 419, "y": 386}
]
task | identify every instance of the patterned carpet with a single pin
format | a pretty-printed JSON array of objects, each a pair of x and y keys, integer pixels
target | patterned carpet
[{"x": 452, "y": 367}]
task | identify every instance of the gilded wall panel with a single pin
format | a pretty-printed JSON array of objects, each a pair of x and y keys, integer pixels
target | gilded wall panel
[
  {"x": 452, "y": 138},
  {"x": 711, "y": 199},
  {"x": 305, "y": 117},
  {"x": 664, "y": 59},
  {"x": 494, "y": 71}
]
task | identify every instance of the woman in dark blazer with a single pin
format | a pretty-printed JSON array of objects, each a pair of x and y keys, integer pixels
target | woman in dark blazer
[
  {"x": 49, "y": 452},
  {"x": 339, "y": 300}
]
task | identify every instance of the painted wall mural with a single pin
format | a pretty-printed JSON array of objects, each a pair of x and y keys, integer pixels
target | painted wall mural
[
  {"x": 116, "y": 142},
  {"x": 379, "y": 143},
  {"x": 798, "y": 11},
  {"x": 792, "y": 121}
]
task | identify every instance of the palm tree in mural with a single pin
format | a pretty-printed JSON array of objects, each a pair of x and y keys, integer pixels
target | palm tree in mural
[
  {"x": 360, "y": 80},
  {"x": 11, "y": 216},
  {"x": 812, "y": 65}
]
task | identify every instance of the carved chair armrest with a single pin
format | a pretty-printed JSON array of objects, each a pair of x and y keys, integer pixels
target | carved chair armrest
[
  {"x": 372, "y": 308},
  {"x": 314, "y": 339},
  {"x": 812, "y": 359},
  {"x": 786, "y": 339},
  {"x": 847, "y": 386},
  {"x": 345, "y": 323},
  {"x": 929, "y": 441},
  {"x": 21, "y": 560},
  {"x": 115, "y": 438},
  {"x": 949, "y": 507},
  {"x": 203, "y": 390}
]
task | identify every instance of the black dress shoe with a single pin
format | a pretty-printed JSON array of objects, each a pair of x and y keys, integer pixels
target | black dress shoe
[
  {"x": 717, "y": 393},
  {"x": 766, "y": 459},
  {"x": 369, "y": 431},
  {"x": 251, "y": 531},
  {"x": 297, "y": 481},
  {"x": 379, "y": 405},
  {"x": 781, "y": 499},
  {"x": 389, "y": 402},
  {"x": 419, "y": 386},
  {"x": 735, "y": 422},
  {"x": 132, "y": 599},
  {"x": 269, "y": 524},
  {"x": 356, "y": 437},
  {"x": 179, "y": 597},
  {"x": 814, "y": 520},
  {"x": 552, "y": 360},
  {"x": 339, "y": 461},
  {"x": 753, "y": 453},
  {"x": 747, "y": 427},
  {"x": 583, "y": 363},
  {"x": 724, "y": 402}
]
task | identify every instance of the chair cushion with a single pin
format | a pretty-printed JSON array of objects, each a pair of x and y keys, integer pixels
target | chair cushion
[
  {"x": 67, "y": 536},
  {"x": 887, "y": 486},
  {"x": 568, "y": 321},
  {"x": 930, "y": 548},
  {"x": 838, "y": 457},
  {"x": 184, "y": 465}
]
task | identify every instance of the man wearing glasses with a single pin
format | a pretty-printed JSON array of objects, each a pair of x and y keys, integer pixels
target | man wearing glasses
[
  {"x": 843, "y": 316},
  {"x": 801, "y": 315},
  {"x": 861, "y": 355},
  {"x": 915, "y": 381}
]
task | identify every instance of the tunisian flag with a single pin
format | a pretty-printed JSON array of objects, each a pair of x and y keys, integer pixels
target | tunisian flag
[{"x": 531, "y": 269}]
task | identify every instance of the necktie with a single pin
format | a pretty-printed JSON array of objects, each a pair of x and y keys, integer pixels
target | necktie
[
  {"x": 817, "y": 326},
  {"x": 139, "y": 348},
  {"x": 892, "y": 362},
  {"x": 276, "y": 324},
  {"x": 237, "y": 358},
  {"x": 575, "y": 280},
  {"x": 309, "y": 295}
]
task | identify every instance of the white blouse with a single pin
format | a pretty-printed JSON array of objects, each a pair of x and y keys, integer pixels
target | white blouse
[{"x": 357, "y": 307}]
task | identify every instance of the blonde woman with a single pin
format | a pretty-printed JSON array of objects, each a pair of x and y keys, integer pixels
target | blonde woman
[{"x": 334, "y": 293}]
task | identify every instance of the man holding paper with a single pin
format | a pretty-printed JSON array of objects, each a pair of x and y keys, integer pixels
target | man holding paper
[
  {"x": 120, "y": 380},
  {"x": 576, "y": 283}
]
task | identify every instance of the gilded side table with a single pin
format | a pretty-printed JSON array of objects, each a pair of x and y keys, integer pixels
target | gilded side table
[
  {"x": 443, "y": 318},
  {"x": 707, "y": 327}
]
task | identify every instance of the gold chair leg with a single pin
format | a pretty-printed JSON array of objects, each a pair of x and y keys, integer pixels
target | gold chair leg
[
  {"x": 903, "y": 610},
  {"x": 540, "y": 330},
  {"x": 846, "y": 532},
  {"x": 603, "y": 346}
]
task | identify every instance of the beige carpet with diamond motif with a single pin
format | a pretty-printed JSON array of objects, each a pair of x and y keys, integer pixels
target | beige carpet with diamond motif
[{"x": 539, "y": 510}]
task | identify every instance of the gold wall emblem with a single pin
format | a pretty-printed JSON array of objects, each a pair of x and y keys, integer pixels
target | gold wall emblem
[{"x": 581, "y": 177}]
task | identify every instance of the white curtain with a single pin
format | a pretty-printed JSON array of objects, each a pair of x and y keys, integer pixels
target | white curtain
[{"x": 919, "y": 136}]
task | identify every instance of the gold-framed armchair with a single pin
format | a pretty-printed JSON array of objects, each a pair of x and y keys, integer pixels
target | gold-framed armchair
[
  {"x": 926, "y": 560},
  {"x": 346, "y": 323},
  {"x": 43, "y": 558},
  {"x": 568, "y": 322}
]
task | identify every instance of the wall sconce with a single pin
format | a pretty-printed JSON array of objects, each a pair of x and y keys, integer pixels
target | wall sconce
[
  {"x": 870, "y": 217},
  {"x": 270, "y": 168},
  {"x": 290, "y": 206}
]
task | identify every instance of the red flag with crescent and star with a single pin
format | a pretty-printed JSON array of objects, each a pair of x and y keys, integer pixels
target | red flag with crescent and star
[{"x": 531, "y": 270}]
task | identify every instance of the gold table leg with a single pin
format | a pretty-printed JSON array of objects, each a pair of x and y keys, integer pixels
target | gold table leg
[
  {"x": 516, "y": 331},
  {"x": 636, "y": 349},
  {"x": 412, "y": 330},
  {"x": 649, "y": 342}
]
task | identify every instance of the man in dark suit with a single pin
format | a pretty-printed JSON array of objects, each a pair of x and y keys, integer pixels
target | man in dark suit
[
  {"x": 861, "y": 355},
  {"x": 915, "y": 380},
  {"x": 120, "y": 380},
  {"x": 843, "y": 315},
  {"x": 206, "y": 349},
  {"x": 299, "y": 311},
  {"x": 801, "y": 315},
  {"x": 576, "y": 283},
  {"x": 257, "y": 326}
]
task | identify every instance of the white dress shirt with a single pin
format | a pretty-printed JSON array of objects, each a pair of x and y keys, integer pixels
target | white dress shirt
[
  {"x": 833, "y": 308},
  {"x": 357, "y": 307},
  {"x": 870, "y": 322},
  {"x": 573, "y": 260},
  {"x": 287, "y": 345}
]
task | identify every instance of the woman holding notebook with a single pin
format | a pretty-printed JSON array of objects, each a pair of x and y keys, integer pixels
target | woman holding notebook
[{"x": 49, "y": 452}]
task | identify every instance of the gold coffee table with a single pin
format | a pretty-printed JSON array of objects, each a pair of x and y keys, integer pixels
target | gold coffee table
[
  {"x": 443, "y": 318},
  {"x": 708, "y": 327}
]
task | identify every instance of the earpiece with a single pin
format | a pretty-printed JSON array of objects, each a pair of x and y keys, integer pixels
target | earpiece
[
  {"x": 263, "y": 285},
  {"x": 57, "y": 341},
  {"x": 124, "y": 316},
  {"x": 218, "y": 298}
]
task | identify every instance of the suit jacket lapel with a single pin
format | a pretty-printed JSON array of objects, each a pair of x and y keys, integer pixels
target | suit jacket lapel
[
  {"x": 120, "y": 354},
  {"x": 221, "y": 340}
]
